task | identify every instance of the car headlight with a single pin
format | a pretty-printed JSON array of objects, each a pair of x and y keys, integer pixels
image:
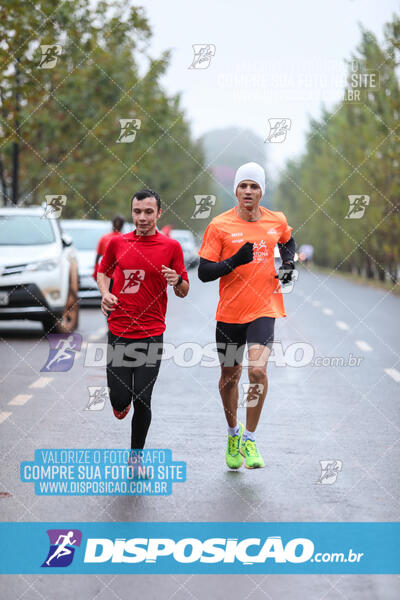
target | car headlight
[{"x": 42, "y": 265}]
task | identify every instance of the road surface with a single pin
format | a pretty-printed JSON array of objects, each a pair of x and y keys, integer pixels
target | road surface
[{"x": 312, "y": 413}]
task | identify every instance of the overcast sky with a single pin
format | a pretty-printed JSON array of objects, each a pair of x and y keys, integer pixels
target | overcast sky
[{"x": 273, "y": 59}]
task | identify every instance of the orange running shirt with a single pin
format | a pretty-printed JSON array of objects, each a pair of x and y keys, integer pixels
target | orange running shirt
[{"x": 249, "y": 291}]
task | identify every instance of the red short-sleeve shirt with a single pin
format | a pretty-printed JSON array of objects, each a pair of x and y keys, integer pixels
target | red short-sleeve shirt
[{"x": 134, "y": 261}]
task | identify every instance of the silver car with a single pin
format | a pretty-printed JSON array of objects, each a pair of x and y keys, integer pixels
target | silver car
[
  {"x": 86, "y": 234},
  {"x": 38, "y": 270}
]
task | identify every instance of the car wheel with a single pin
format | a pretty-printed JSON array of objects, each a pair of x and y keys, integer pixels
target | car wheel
[{"x": 69, "y": 319}]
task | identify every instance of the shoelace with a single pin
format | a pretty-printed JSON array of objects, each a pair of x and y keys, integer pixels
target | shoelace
[
  {"x": 251, "y": 448},
  {"x": 233, "y": 444}
]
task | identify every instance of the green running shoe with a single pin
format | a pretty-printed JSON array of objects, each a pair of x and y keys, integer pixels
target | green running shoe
[
  {"x": 254, "y": 460},
  {"x": 233, "y": 458}
]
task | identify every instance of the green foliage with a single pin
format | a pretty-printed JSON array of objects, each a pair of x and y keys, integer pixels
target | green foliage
[
  {"x": 353, "y": 149},
  {"x": 63, "y": 122}
]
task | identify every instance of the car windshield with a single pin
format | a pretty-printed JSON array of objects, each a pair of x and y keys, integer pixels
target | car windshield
[
  {"x": 86, "y": 238},
  {"x": 25, "y": 230}
]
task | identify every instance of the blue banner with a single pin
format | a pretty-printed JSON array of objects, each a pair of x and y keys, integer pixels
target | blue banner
[{"x": 288, "y": 548}]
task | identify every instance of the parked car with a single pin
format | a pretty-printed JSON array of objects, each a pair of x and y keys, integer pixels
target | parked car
[
  {"x": 86, "y": 234},
  {"x": 189, "y": 246},
  {"x": 38, "y": 270}
]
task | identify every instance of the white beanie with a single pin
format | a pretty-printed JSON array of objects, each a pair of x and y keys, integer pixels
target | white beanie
[{"x": 250, "y": 171}]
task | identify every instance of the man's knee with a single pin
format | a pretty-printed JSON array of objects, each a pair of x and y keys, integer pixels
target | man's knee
[
  {"x": 257, "y": 374},
  {"x": 230, "y": 376}
]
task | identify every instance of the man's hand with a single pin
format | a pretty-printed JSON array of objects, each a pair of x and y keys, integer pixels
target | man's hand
[
  {"x": 244, "y": 255},
  {"x": 170, "y": 275},
  {"x": 107, "y": 303},
  {"x": 285, "y": 273}
]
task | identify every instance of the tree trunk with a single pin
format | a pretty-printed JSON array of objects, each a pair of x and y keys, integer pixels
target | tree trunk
[
  {"x": 369, "y": 269},
  {"x": 15, "y": 149},
  {"x": 381, "y": 273},
  {"x": 3, "y": 184}
]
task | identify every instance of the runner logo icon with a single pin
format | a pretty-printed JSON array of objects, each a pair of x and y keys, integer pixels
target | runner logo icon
[
  {"x": 50, "y": 53},
  {"x": 133, "y": 278},
  {"x": 62, "y": 547},
  {"x": 62, "y": 351},
  {"x": 203, "y": 54},
  {"x": 329, "y": 471},
  {"x": 54, "y": 206},
  {"x": 358, "y": 204},
  {"x": 129, "y": 128}
]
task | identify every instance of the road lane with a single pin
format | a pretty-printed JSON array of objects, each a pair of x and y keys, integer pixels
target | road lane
[{"x": 312, "y": 413}]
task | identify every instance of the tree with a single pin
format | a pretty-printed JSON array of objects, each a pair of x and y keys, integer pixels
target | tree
[
  {"x": 352, "y": 150},
  {"x": 69, "y": 120}
]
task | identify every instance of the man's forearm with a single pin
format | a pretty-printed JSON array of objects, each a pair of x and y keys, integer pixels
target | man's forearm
[
  {"x": 209, "y": 270},
  {"x": 103, "y": 283},
  {"x": 287, "y": 251}
]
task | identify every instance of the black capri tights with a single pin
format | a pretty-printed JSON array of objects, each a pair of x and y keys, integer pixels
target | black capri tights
[{"x": 133, "y": 382}]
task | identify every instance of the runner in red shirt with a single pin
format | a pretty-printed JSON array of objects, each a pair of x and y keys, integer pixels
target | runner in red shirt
[
  {"x": 117, "y": 225},
  {"x": 142, "y": 264}
]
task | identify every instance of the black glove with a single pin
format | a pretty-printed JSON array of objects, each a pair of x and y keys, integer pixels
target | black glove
[
  {"x": 243, "y": 256},
  {"x": 285, "y": 272}
]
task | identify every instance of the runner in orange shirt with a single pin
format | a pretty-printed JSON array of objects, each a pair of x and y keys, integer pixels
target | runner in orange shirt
[{"x": 238, "y": 247}]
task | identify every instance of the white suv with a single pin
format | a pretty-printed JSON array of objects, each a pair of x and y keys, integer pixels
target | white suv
[{"x": 38, "y": 270}]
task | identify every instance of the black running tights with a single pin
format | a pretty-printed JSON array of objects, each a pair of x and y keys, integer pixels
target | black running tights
[{"x": 133, "y": 383}]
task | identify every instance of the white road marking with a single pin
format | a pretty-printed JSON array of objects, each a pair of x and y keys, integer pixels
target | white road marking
[
  {"x": 41, "y": 382},
  {"x": 20, "y": 399},
  {"x": 316, "y": 303},
  {"x": 342, "y": 325},
  {"x": 4, "y": 416},
  {"x": 363, "y": 346},
  {"x": 327, "y": 311},
  {"x": 394, "y": 374}
]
